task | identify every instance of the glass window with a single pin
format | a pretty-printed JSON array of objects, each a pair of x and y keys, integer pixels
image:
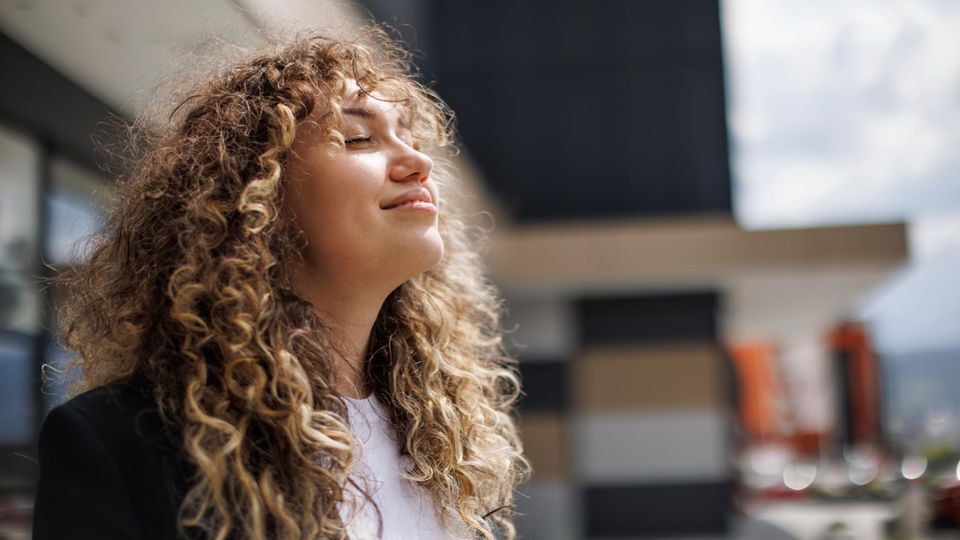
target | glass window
[
  {"x": 19, "y": 184},
  {"x": 75, "y": 204},
  {"x": 16, "y": 384}
]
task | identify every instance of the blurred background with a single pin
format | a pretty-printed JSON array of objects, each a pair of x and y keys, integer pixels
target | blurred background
[{"x": 728, "y": 235}]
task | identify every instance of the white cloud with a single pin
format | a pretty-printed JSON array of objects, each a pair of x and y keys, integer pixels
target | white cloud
[
  {"x": 842, "y": 112},
  {"x": 849, "y": 112}
]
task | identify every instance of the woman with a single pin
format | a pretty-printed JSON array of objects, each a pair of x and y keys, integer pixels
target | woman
[{"x": 282, "y": 331}]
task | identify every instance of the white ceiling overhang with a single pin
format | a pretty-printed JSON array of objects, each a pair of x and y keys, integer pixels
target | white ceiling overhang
[{"x": 775, "y": 283}]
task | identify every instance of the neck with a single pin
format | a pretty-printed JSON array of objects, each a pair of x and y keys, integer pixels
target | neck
[{"x": 349, "y": 313}]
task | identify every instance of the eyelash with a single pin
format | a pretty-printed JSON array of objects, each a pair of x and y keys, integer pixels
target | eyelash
[
  {"x": 363, "y": 140},
  {"x": 357, "y": 140}
]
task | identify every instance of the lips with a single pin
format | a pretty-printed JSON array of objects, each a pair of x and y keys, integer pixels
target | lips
[{"x": 413, "y": 196}]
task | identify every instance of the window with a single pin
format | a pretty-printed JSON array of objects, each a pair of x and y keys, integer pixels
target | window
[
  {"x": 75, "y": 206},
  {"x": 16, "y": 388},
  {"x": 19, "y": 205}
]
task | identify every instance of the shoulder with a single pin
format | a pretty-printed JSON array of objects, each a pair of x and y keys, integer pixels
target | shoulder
[
  {"x": 119, "y": 422},
  {"x": 108, "y": 445},
  {"x": 116, "y": 400},
  {"x": 121, "y": 414}
]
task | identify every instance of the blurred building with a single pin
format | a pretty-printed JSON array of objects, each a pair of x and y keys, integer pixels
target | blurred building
[
  {"x": 601, "y": 133},
  {"x": 52, "y": 195},
  {"x": 598, "y": 132}
]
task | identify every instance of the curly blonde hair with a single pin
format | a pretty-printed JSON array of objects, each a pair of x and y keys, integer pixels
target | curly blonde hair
[{"x": 189, "y": 286}]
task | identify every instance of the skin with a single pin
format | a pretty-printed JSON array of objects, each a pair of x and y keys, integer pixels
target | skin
[{"x": 357, "y": 249}]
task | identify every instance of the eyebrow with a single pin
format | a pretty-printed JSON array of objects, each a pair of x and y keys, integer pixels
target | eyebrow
[{"x": 364, "y": 112}]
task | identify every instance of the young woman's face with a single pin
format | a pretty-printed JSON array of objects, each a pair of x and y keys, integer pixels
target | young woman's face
[{"x": 370, "y": 210}]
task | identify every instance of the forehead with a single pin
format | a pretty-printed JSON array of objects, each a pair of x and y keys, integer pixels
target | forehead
[{"x": 375, "y": 101}]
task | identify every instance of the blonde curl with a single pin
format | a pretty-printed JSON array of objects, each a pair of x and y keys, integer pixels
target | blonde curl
[{"x": 188, "y": 286}]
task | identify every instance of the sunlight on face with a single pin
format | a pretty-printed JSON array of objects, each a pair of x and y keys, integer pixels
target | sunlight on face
[{"x": 369, "y": 211}]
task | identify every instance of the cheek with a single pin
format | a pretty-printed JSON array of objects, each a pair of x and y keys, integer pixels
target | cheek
[{"x": 339, "y": 213}]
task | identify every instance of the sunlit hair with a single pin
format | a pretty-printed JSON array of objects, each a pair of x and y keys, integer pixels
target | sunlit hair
[{"x": 189, "y": 285}]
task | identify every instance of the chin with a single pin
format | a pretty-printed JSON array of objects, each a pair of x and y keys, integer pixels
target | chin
[
  {"x": 419, "y": 254},
  {"x": 434, "y": 251}
]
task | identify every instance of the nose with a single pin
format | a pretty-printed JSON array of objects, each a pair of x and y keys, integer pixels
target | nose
[{"x": 410, "y": 164}]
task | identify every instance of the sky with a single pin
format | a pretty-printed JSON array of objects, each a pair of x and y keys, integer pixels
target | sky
[{"x": 849, "y": 112}]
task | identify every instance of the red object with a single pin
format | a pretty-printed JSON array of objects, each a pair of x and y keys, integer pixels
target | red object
[
  {"x": 946, "y": 503},
  {"x": 756, "y": 370},
  {"x": 14, "y": 513},
  {"x": 808, "y": 443},
  {"x": 852, "y": 342}
]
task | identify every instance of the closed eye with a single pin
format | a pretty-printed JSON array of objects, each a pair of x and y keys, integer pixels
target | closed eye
[{"x": 357, "y": 140}]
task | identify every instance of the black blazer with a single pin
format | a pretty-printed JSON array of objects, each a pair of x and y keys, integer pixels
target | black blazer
[{"x": 108, "y": 468}]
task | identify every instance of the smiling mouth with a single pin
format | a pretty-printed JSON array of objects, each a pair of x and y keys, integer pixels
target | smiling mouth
[
  {"x": 415, "y": 198},
  {"x": 417, "y": 204}
]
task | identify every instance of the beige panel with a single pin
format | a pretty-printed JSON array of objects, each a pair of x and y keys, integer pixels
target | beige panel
[
  {"x": 648, "y": 377},
  {"x": 546, "y": 445},
  {"x": 649, "y": 252},
  {"x": 808, "y": 277}
]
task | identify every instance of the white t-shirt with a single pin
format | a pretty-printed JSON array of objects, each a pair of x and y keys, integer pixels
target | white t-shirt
[{"x": 405, "y": 507}]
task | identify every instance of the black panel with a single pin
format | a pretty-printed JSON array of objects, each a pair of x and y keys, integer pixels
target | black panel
[
  {"x": 578, "y": 110},
  {"x": 544, "y": 386},
  {"x": 48, "y": 106},
  {"x": 661, "y": 510},
  {"x": 843, "y": 386},
  {"x": 649, "y": 319}
]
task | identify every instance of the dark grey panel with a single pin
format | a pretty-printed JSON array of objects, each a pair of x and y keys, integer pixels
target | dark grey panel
[
  {"x": 649, "y": 319},
  {"x": 841, "y": 370},
  {"x": 656, "y": 510},
  {"x": 544, "y": 386},
  {"x": 579, "y": 110}
]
